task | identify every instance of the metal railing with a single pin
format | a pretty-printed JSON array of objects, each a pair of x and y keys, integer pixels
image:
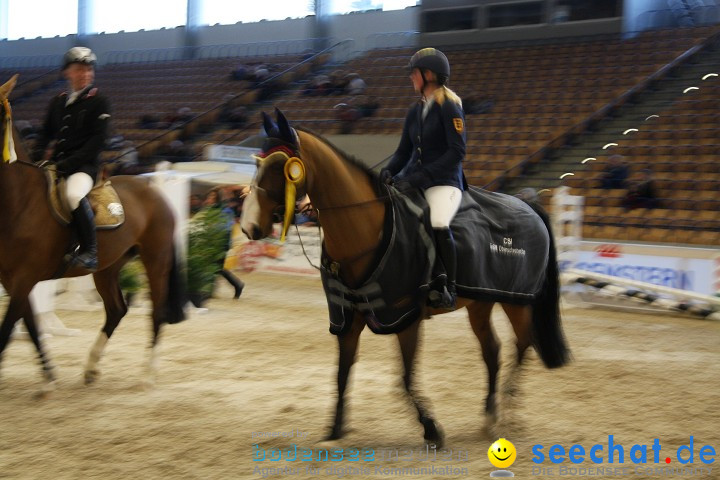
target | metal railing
[{"x": 256, "y": 49}]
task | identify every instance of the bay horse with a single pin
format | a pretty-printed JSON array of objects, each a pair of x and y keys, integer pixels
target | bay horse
[
  {"x": 33, "y": 244},
  {"x": 352, "y": 214}
]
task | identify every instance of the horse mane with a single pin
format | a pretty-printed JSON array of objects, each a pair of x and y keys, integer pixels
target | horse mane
[{"x": 353, "y": 160}]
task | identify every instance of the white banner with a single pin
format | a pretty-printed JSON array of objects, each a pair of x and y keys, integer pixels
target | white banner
[{"x": 684, "y": 269}]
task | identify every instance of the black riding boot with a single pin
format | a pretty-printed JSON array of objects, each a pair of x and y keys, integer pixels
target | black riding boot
[
  {"x": 442, "y": 293},
  {"x": 84, "y": 220},
  {"x": 234, "y": 281}
]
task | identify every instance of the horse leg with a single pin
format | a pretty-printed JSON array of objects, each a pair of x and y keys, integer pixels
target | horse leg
[
  {"x": 106, "y": 282},
  {"x": 479, "y": 314},
  {"x": 33, "y": 332},
  {"x": 6, "y": 329},
  {"x": 408, "y": 340},
  {"x": 157, "y": 259},
  {"x": 22, "y": 308},
  {"x": 348, "y": 344},
  {"x": 520, "y": 317}
]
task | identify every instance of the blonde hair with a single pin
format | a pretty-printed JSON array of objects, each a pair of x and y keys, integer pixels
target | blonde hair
[{"x": 444, "y": 92}]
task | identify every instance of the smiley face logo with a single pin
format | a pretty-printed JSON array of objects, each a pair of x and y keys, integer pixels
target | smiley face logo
[{"x": 502, "y": 453}]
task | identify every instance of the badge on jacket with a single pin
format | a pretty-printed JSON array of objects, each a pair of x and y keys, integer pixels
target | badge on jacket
[{"x": 458, "y": 123}]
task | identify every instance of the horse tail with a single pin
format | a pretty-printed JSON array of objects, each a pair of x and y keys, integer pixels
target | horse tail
[
  {"x": 548, "y": 337},
  {"x": 176, "y": 297}
]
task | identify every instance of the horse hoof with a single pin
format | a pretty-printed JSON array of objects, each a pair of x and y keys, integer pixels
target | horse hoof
[
  {"x": 335, "y": 434},
  {"x": 46, "y": 390},
  {"x": 433, "y": 433},
  {"x": 491, "y": 417},
  {"x": 91, "y": 376}
]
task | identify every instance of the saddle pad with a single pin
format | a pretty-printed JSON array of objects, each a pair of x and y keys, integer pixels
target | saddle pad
[
  {"x": 391, "y": 297},
  {"x": 105, "y": 202},
  {"x": 502, "y": 253},
  {"x": 502, "y": 247}
]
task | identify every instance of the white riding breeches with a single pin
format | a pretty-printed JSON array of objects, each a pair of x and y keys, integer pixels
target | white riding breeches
[
  {"x": 77, "y": 186},
  {"x": 444, "y": 202}
]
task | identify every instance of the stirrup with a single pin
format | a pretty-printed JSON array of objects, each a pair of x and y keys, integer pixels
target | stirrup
[
  {"x": 86, "y": 261},
  {"x": 441, "y": 299}
]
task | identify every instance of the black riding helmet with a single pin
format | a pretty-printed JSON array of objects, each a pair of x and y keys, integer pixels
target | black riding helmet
[
  {"x": 434, "y": 60},
  {"x": 79, "y": 55}
]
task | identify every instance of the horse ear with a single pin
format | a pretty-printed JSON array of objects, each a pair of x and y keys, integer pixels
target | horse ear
[
  {"x": 268, "y": 124},
  {"x": 284, "y": 126},
  {"x": 6, "y": 88}
]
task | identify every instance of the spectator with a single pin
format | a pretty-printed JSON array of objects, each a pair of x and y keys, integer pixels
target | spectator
[
  {"x": 355, "y": 84},
  {"x": 615, "y": 174},
  {"x": 125, "y": 163},
  {"x": 240, "y": 72},
  {"x": 149, "y": 121},
  {"x": 367, "y": 106},
  {"x": 307, "y": 214},
  {"x": 476, "y": 105},
  {"x": 196, "y": 204},
  {"x": 338, "y": 82},
  {"x": 26, "y": 129},
  {"x": 347, "y": 115},
  {"x": 260, "y": 74},
  {"x": 320, "y": 85},
  {"x": 213, "y": 200},
  {"x": 642, "y": 194},
  {"x": 234, "y": 115},
  {"x": 183, "y": 114}
]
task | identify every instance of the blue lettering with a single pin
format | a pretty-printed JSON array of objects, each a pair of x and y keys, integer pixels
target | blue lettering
[
  {"x": 306, "y": 455},
  {"x": 539, "y": 456},
  {"x": 291, "y": 454},
  {"x": 689, "y": 448},
  {"x": 593, "y": 457},
  {"x": 354, "y": 455},
  {"x": 656, "y": 449},
  {"x": 643, "y": 453},
  {"x": 258, "y": 455},
  {"x": 710, "y": 451},
  {"x": 275, "y": 455},
  {"x": 667, "y": 277},
  {"x": 337, "y": 455},
  {"x": 576, "y": 454},
  {"x": 369, "y": 455},
  {"x": 612, "y": 448},
  {"x": 555, "y": 452},
  {"x": 686, "y": 281}
]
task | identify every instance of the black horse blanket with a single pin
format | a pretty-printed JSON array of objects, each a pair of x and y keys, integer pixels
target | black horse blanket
[{"x": 502, "y": 251}]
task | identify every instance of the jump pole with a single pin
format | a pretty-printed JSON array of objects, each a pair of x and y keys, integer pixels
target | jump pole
[{"x": 639, "y": 291}]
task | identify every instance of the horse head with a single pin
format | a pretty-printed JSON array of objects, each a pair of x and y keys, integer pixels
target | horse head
[{"x": 279, "y": 182}]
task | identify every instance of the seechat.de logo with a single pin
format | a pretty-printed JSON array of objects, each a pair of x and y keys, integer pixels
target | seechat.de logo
[{"x": 618, "y": 459}]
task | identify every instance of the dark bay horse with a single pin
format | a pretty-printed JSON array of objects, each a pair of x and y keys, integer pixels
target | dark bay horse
[
  {"x": 33, "y": 244},
  {"x": 352, "y": 216}
]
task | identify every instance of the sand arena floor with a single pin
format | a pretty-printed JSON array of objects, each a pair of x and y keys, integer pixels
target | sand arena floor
[{"x": 266, "y": 363}]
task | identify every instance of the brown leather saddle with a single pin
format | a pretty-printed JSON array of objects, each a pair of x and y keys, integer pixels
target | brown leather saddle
[{"x": 105, "y": 202}]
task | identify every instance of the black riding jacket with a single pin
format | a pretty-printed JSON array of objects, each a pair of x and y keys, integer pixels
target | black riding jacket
[
  {"x": 79, "y": 131},
  {"x": 432, "y": 149}
]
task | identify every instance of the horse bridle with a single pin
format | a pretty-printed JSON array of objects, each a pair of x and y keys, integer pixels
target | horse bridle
[{"x": 294, "y": 173}]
